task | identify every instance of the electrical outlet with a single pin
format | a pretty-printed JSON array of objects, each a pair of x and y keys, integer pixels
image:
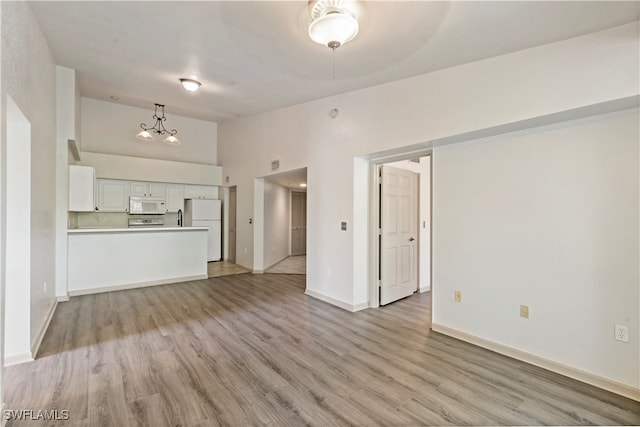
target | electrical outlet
[
  {"x": 622, "y": 333},
  {"x": 457, "y": 296},
  {"x": 524, "y": 311}
]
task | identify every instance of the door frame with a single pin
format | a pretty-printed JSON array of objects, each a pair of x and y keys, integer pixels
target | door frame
[{"x": 374, "y": 218}]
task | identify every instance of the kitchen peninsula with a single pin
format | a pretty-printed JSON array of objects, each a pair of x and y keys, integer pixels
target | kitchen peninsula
[{"x": 104, "y": 259}]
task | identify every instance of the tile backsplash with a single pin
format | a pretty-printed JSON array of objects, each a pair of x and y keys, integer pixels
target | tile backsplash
[{"x": 115, "y": 219}]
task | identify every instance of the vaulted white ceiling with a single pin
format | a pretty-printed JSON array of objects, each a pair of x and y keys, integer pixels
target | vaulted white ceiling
[{"x": 254, "y": 56}]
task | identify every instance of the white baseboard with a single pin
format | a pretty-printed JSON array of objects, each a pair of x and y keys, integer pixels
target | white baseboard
[
  {"x": 63, "y": 298},
  {"x": 35, "y": 345},
  {"x": 344, "y": 305},
  {"x": 424, "y": 289},
  {"x": 137, "y": 285},
  {"x": 16, "y": 359},
  {"x": 257, "y": 271},
  {"x": 568, "y": 371}
]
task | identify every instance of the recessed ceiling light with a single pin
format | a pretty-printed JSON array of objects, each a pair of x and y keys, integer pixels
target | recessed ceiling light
[
  {"x": 190, "y": 84},
  {"x": 303, "y": 185}
]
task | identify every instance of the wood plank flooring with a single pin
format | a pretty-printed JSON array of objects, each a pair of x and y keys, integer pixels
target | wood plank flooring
[
  {"x": 295, "y": 264},
  {"x": 224, "y": 268},
  {"x": 254, "y": 350}
]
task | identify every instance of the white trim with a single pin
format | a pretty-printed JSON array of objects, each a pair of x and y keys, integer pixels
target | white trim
[
  {"x": 35, "y": 345},
  {"x": 3, "y": 421},
  {"x": 137, "y": 285},
  {"x": 568, "y": 371},
  {"x": 422, "y": 289},
  {"x": 344, "y": 305},
  {"x": 257, "y": 271},
  {"x": 360, "y": 306},
  {"x": 16, "y": 359},
  {"x": 63, "y": 298}
]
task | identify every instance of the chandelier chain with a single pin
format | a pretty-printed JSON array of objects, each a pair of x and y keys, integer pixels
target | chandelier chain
[{"x": 158, "y": 128}]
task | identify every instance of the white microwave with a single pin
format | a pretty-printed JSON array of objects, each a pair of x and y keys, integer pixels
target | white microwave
[{"x": 146, "y": 205}]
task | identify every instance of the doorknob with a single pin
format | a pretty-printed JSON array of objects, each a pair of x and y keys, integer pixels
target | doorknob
[{"x": 411, "y": 239}]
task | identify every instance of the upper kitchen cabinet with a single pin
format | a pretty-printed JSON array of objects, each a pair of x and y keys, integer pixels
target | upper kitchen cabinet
[
  {"x": 200, "y": 192},
  {"x": 113, "y": 196},
  {"x": 81, "y": 188},
  {"x": 175, "y": 197},
  {"x": 148, "y": 189}
]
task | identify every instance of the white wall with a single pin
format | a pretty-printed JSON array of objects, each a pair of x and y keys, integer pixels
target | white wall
[
  {"x": 110, "y": 128},
  {"x": 547, "y": 218},
  {"x": 424, "y": 169},
  {"x": 144, "y": 169},
  {"x": 67, "y": 99},
  {"x": 276, "y": 223},
  {"x": 18, "y": 271},
  {"x": 28, "y": 76},
  {"x": 519, "y": 86},
  {"x": 581, "y": 72}
]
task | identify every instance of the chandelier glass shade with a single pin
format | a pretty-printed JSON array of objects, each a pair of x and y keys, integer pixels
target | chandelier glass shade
[
  {"x": 333, "y": 29},
  {"x": 158, "y": 128},
  {"x": 334, "y": 22}
]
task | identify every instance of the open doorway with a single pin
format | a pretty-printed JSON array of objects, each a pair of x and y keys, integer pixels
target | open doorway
[
  {"x": 400, "y": 230},
  {"x": 227, "y": 266},
  {"x": 284, "y": 223}
]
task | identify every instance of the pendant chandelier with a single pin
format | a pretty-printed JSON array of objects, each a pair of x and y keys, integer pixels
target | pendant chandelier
[{"x": 158, "y": 128}]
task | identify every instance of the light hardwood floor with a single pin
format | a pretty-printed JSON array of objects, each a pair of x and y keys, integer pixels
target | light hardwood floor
[
  {"x": 296, "y": 264},
  {"x": 254, "y": 350},
  {"x": 224, "y": 268}
]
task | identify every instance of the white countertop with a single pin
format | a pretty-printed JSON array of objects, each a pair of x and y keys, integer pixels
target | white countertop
[{"x": 112, "y": 229}]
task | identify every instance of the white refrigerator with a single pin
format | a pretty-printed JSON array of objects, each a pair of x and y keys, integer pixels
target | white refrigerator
[{"x": 206, "y": 213}]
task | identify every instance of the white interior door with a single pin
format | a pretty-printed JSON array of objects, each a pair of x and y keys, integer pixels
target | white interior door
[{"x": 399, "y": 234}]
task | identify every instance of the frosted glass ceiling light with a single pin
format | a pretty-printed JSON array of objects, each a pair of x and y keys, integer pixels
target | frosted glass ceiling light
[
  {"x": 190, "y": 85},
  {"x": 333, "y": 22},
  {"x": 158, "y": 128},
  {"x": 172, "y": 140},
  {"x": 144, "y": 135}
]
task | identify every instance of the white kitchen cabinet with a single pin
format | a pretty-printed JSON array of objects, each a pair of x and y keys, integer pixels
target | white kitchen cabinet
[
  {"x": 113, "y": 196},
  {"x": 138, "y": 189},
  {"x": 81, "y": 188},
  {"x": 175, "y": 197},
  {"x": 200, "y": 192},
  {"x": 147, "y": 189}
]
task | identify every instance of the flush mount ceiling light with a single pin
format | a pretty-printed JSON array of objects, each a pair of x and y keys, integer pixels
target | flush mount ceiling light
[
  {"x": 333, "y": 22},
  {"x": 190, "y": 85},
  {"x": 158, "y": 128}
]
